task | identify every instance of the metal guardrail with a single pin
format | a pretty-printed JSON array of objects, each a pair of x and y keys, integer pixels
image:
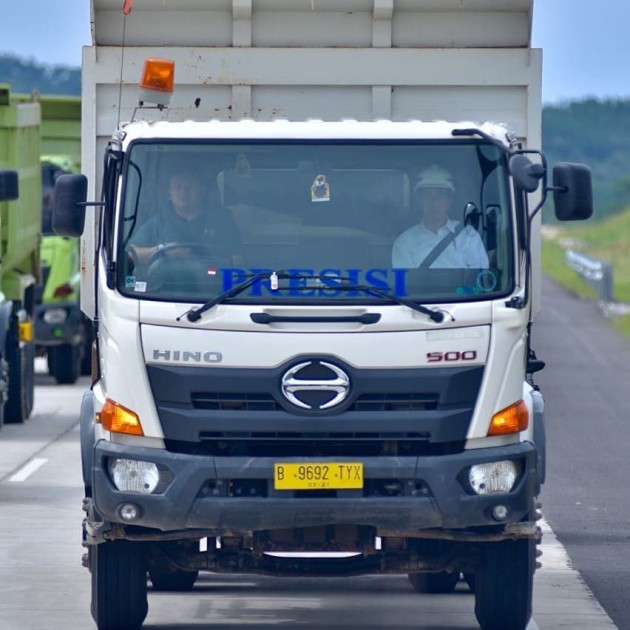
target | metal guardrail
[{"x": 596, "y": 273}]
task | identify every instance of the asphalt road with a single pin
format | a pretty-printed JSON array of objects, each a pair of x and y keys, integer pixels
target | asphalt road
[
  {"x": 45, "y": 587},
  {"x": 586, "y": 386}
]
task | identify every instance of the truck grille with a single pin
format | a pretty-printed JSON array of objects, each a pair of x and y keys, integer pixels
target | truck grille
[
  {"x": 233, "y": 412},
  {"x": 272, "y": 444},
  {"x": 231, "y": 401}
]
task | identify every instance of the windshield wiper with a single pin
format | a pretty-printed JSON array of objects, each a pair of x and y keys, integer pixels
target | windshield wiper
[
  {"x": 194, "y": 315},
  {"x": 436, "y": 316}
]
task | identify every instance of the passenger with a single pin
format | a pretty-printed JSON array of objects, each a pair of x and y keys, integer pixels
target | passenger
[{"x": 438, "y": 242}]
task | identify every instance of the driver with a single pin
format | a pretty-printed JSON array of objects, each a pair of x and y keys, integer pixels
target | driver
[{"x": 190, "y": 220}]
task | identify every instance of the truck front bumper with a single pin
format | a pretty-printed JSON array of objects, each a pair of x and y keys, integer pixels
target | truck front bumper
[
  {"x": 58, "y": 323},
  {"x": 222, "y": 496}
]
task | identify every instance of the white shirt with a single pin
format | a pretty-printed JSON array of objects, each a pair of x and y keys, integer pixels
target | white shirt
[{"x": 465, "y": 251}]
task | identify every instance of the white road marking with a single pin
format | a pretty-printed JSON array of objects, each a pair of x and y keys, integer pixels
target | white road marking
[
  {"x": 26, "y": 471},
  {"x": 561, "y": 597}
]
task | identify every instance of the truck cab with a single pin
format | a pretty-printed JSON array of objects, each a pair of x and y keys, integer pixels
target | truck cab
[
  {"x": 20, "y": 217},
  {"x": 297, "y": 389}
]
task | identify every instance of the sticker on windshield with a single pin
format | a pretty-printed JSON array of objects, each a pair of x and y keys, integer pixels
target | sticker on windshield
[{"x": 487, "y": 280}]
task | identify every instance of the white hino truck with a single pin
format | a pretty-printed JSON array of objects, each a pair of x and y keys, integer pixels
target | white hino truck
[{"x": 294, "y": 383}]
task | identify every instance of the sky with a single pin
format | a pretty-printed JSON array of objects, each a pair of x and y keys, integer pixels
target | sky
[{"x": 586, "y": 44}]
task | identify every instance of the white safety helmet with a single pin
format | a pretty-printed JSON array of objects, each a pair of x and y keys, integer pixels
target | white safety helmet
[{"x": 434, "y": 176}]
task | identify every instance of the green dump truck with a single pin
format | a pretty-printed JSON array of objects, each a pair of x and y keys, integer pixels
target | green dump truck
[
  {"x": 62, "y": 333},
  {"x": 20, "y": 236}
]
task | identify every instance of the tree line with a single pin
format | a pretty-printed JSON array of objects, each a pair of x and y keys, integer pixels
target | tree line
[
  {"x": 591, "y": 131},
  {"x": 596, "y": 133},
  {"x": 27, "y": 75}
]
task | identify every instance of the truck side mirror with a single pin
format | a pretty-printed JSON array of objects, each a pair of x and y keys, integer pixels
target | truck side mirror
[
  {"x": 68, "y": 217},
  {"x": 9, "y": 187},
  {"x": 572, "y": 191},
  {"x": 527, "y": 174}
]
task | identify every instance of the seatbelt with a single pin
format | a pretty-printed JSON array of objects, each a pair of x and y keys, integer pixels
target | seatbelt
[{"x": 440, "y": 247}]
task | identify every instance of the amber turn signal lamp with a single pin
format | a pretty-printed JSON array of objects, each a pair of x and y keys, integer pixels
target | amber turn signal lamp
[
  {"x": 119, "y": 419},
  {"x": 512, "y": 419}
]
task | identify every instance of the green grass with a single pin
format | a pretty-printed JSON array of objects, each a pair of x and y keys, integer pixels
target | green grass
[
  {"x": 622, "y": 324},
  {"x": 607, "y": 240}
]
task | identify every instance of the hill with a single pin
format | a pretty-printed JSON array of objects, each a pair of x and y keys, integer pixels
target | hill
[
  {"x": 594, "y": 132},
  {"x": 26, "y": 76}
]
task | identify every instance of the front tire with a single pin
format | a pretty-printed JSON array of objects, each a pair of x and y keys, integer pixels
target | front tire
[
  {"x": 30, "y": 378},
  {"x": 504, "y": 585},
  {"x": 65, "y": 363},
  {"x": 21, "y": 377},
  {"x": 119, "y": 585}
]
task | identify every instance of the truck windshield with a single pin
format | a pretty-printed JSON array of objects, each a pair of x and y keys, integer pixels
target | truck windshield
[{"x": 429, "y": 222}]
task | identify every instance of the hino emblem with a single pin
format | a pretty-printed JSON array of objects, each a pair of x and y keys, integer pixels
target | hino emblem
[
  {"x": 315, "y": 385},
  {"x": 187, "y": 357}
]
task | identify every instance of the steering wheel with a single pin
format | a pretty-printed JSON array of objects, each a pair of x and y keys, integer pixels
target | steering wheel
[
  {"x": 188, "y": 250},
  {"x": 185, "y": 262}
]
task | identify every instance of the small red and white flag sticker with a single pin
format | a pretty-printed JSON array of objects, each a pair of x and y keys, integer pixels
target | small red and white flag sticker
[{"x": 212, "y": 271}]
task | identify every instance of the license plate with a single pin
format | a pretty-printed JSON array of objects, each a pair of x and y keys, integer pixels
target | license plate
[{"x": 318, "y": 476}]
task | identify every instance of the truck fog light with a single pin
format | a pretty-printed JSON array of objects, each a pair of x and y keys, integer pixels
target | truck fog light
[
  {"x": 493, "y": 477},
  {"x": 129, "y": 512},
  {"x": 53, "y": 316},
  {"x": 500, "y": 512},
  {"x": 131, "y": 475}
]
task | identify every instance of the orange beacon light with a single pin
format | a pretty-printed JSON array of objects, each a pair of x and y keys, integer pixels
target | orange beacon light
[{"x": 156, "y": 84}]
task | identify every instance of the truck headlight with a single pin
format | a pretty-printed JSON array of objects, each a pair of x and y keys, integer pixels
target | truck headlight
[
  {"x": 55, "y": 316},
  {"x": 493, "y": 477},
  {"x": 131, "y": 475}
]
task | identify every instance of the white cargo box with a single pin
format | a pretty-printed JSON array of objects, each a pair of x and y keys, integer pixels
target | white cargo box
[{"x": 326, "y": 59}]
